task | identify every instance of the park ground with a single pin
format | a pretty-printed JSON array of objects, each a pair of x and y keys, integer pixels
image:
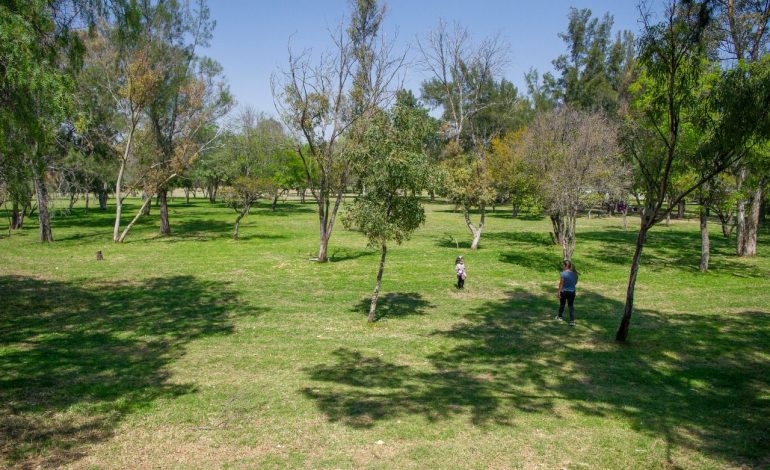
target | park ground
[{"x": 197, "y": 351}]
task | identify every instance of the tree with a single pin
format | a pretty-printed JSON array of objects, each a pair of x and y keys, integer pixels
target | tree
[
  {"x": 255, "y": 154},
  {"x": 40, "y": 54},
  {"x": 596, "y": 72},
  {"x": 508, "y": 169},
  {"x": 576, "y": 156},
  {"x": 463, "y": 83},
  {"x": 323, "y": 106},
  {"x": 390, "y": 210},
  {"x": 731, "y": 115},
  {"x": 742, "y": 34}
]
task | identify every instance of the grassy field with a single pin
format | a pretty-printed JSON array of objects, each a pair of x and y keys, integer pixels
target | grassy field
[{"x": 196, "y": 351}]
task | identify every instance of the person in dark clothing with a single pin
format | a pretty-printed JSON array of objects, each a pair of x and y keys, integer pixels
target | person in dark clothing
[{"x": 567, "y": 282}]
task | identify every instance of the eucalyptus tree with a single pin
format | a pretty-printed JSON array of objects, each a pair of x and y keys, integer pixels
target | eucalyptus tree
[
  {"x": 730, "y": 115},
  {"x": 325, "y": 104},
  {"x": 398, "y": 170}
]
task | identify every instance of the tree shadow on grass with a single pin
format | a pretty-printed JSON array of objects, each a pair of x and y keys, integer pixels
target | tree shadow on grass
[
  {"x": 76, "y": 359},
  {"x": 395, "y": 305},
  {"x": 698, "y": 382}
]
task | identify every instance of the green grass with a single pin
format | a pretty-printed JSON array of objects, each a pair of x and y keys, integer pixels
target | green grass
[{"x": 196, "y": 351}]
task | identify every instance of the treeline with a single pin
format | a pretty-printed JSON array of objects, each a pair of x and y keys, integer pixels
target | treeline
[{"x": 112, "y": 97}]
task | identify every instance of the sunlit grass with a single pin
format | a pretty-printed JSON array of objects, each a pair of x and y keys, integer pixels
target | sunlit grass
[{"x": 195, "y": 350}]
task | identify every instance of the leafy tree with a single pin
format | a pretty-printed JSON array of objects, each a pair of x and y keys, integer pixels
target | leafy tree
[
  {"x": 731, "y": 115},
  {"x": 509, "y": 173},
  {"x": 324, "y": 106},
  {"x": 474, "y": 103},
  {"x": 741, "y": 30},
  {"x": 576, "y": 156},
  {"x": 390, "y": 210}
]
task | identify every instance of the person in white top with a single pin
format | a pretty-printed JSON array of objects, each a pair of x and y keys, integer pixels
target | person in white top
[{"x": 460, "y": 270}]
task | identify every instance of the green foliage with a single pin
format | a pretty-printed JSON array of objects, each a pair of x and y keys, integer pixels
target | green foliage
[{"x": 397, "y": 171}]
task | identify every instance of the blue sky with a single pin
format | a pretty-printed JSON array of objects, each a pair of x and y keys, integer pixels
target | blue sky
[{"x": 252, "y": 36}]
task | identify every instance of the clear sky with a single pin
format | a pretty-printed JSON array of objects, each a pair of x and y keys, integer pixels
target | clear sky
[{"x": 252, "y": 36}]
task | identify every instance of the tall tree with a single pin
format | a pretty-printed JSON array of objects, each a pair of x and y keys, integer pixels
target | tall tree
[
  {"x": 742, "y": 32},
  {"x": 576, "y": 156},
  {"x": 322, "y": 105},
  {"x": 398, "y": 171},
  {"x": 463, "y": 82},
  {"x": 728, "y": 115}
]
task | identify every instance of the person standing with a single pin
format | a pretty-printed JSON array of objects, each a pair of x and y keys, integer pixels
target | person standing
[
  {"x": 567, "y": 282},
  {"x": 460, "y": 270}
]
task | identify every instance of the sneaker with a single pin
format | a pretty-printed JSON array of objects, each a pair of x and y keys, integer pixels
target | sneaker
[
  {"x": 558, "y": 317},
  {"x": 572, "y": 323}
]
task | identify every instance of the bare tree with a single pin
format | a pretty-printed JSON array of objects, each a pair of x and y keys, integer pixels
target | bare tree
[
  {"x": 461, "y": 75},
  {"x": 320, "y": 105},
  {"x": 576, "y": 156}
]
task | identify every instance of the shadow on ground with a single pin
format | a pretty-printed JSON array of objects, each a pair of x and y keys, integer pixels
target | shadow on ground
[
  {"x": 76, "y": 358},
  {"x": 697, "y": 381},
  {"x": 395, "y": 305}
]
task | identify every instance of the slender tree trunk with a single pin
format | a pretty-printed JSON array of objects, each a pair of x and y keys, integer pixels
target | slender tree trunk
[
  {"x": 44, "y": 217},
  {"x": 625, "y": 218},
  {"x": 17, "y": 217},
  {"x": 376, "y": 293},
  {"x": 88, "y": 198},
  {"x": 118, "y": 201},
  {"x": 740, "y": 216},
  {"x": 275, "y": 201},
  {"x": 165, "y": 227},
  {"x": 475, "y": 231},
  {"x": 72, "y": 201},
  {"x": 752, "y": 221},
  {"x": 622, "y": 333},
  {"x": 567, "y": 236},
  {"x": 187, "y": 196},
  {"x": 556, "y": 234},
  {"x": 514, "y": 211},
  {"x": 680, "y": 210},
  {"x": 139, "y": 213},
  {"x": 705, "y": 245},
  {"x": 302, "y": 196},
  {"x": 103, "y": 199},
  {"x": 241, "y": 215}
]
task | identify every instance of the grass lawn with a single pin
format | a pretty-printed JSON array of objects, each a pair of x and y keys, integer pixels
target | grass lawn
[{"x": 196, "y": 351}]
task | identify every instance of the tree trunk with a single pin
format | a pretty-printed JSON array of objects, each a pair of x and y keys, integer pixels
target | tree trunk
[
  {"x": 165, "y": 228},
  {"x": 88, "y": 198},
  {"x": 275, "y": 201},
  {"x": 146, "y": 207},
  {"x": 187, "y": 196},
  {"x": 625, "y": 218},
  {"x": 475, "y": 231},
  {"x": 302, "y": 196},
  {"x": 705, "y": 245},
  {"x": 622, "y": 333},
  {"x": 680, "y": 210},
  {"x": 103, "y": 199},
  {"x": 118, "y": 202},
  {"x": 17, "y": 217},
  {"x": 242, "y": 214},
  {"x": 139, "y": 213},
  {"x": 212, "y": 190},
  {"x": 44, "y": 216},
  {"x": 556, "y": 224},
  {"x": 752, "y": 221},
  {"x": 514, "y": 211},
  {"x": 73, "y": 200},
  {"x": 376, "y": 293},
  {"x": 568, "y": 239},
  {"x": 740, "y": 218}
]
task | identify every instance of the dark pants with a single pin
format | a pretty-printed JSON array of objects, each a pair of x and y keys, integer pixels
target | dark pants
[
  {"x": 460, "y": 282},
  {"x": 569, "y": 298}
]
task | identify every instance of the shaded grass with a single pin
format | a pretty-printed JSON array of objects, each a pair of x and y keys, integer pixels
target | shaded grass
[{"x": 172, "y": 352}]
